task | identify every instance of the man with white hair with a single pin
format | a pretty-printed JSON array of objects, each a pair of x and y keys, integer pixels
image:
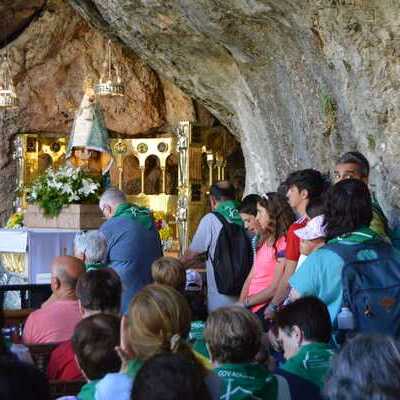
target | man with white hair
[
  {"x": 91, "y": 248},
  {"x": 133, "y": 242}
]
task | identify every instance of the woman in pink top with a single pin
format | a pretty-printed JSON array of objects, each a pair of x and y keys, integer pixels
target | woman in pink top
[{"x": 274, "y": 216}]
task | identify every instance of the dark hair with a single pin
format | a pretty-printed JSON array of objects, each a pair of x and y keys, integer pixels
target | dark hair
[
  {"x": 283, "y": 188},
  {"x": 169, "y": 376},
  {"x": 368, "y": 367},
  {"x": 233, "y": 335},
  {"x": 94, "y": 342},
  {"x": 100, "y": 290},
  {"x": 22, "y": 381},
  {"x": 223, "y": 191},
  {"x": 355, "y": 157},
  {"x": 307, "y": 179},
  {"x": 249, "y": 204},
  {"x": 280, "y": 213},
  {"x": 310, "y": 314},
  {"x": 315, "y": 207},
  {"x": 347, "y": 207}
]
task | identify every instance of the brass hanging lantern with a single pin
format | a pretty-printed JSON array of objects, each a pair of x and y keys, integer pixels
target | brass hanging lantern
[
  {"x": 110, "y": 83},
  {"x": 8, "y": 96}
]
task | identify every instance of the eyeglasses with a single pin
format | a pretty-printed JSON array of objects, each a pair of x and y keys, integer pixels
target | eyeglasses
[{"x": 265, "y": 196}]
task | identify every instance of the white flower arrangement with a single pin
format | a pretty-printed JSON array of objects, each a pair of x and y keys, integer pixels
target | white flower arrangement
[{"x": 57, "y": 188}]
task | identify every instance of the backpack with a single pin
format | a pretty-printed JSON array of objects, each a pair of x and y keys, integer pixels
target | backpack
[
  {"x": 233, "y": 258},
  {"x": 371, "y": 285}
]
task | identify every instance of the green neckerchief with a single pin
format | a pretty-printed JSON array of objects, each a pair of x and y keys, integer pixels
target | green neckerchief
[
  {"x": 364, "y": 234},
  {"x": 196, "y": 338},
  {"x": 311, "y": 362},
  {"x": 247, "y": 380},
  {"x": 94, "y": 266},
  {"x": 88, "y": 391},
  {"x": 229, "y": 210},
  {"x": 136, "y": 213},
  {"x": 133, "y": 367}
]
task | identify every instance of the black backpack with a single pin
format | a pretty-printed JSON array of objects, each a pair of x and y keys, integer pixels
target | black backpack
[
  {"x": 371, "y": 285},
  {"x": 232, "y": 259}
]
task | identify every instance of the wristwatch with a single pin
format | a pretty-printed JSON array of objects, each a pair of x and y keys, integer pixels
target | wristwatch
[
  {"x": 273, "y": 307},
  {"x": 246, "y": 302}
]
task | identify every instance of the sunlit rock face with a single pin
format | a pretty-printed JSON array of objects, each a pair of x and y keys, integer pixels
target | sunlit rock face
[{"x": 298, "y": 81}]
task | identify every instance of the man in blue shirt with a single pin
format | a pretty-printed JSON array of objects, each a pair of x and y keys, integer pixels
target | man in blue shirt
[{"x": 133, "y": 242}]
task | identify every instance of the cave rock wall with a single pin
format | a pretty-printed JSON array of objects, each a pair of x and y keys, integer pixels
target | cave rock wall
[{"x": 298, "y": 81}]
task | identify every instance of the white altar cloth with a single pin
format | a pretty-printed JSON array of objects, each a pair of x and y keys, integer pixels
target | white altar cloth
[{"x": 40, "y": 246}]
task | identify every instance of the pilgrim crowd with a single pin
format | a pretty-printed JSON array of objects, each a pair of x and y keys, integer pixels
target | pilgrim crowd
[{"x": 289, "y": 294}]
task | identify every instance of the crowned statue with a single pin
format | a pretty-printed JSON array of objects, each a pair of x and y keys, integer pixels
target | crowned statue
[{"x": 89, "y": 147}]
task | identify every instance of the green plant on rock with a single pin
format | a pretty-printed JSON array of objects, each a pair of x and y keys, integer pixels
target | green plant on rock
[
  {"x": 371, "y": 142},
  {"x": 328, "y": 109}
]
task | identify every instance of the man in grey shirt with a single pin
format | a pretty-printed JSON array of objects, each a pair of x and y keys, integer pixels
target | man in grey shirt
[
  {"x": 222, "y": 199},
  {"x": 133, "y": 242}
]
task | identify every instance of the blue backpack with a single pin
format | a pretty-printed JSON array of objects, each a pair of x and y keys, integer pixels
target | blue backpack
[{"x": 371, "y": 285}]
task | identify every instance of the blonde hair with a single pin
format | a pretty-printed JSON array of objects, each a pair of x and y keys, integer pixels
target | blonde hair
[
  {"x": 159, "y": 321},
  {"x": 233, "y": 335},
  {"x": 169, "y": 271}
]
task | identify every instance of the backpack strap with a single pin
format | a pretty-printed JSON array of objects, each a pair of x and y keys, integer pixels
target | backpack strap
[
  {"x": 220, "y": 218},
  {"x": 223, "y": 222}
]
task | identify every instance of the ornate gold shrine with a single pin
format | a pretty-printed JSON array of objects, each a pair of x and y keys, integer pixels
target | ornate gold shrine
[
  {"x": 171, "y": 173},
  {"x": 34, "y": 154}
]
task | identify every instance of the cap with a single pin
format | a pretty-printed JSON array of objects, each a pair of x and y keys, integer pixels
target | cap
[
  {"x": 194, "y": 281},
  {"x": 314, "y": 229}
]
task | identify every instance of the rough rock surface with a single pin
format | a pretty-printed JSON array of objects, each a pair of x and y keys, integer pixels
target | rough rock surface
[
  {"x": 298, "y": 81},
  {"x": 16, "y": 15},
  {"x": 53, "y": 53}
]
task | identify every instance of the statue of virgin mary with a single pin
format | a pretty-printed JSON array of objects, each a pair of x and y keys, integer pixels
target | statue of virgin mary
[{"x": 88, "y": 147}]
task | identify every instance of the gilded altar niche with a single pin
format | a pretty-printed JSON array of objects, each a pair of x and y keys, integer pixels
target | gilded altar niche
[
  {"x": 170, "y": 173},
  {"x": 35, "y": 152}
]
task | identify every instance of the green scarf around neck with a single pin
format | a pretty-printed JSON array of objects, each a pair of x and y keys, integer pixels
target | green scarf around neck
[
  {"x": 311, "y": 362},
  {"x": 136, "y": 213},
  {"x": 88, "y": 391},
  {"x": 364, "y": 234},
  {"x": 95, "y": 266},
  {"x": 243, "y": 381},
  {"x": 229, "y": 210}
]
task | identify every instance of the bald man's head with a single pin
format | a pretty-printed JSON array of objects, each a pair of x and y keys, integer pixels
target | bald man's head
[{"x": 66, "y": 270}]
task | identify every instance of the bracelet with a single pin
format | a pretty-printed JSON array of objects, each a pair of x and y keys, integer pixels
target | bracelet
[
  {"x": 273, "y": 307},
  {"x": 246, "y": 302}
]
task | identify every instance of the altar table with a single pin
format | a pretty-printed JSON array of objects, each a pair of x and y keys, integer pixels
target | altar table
[{"x": 40, "y": 246}]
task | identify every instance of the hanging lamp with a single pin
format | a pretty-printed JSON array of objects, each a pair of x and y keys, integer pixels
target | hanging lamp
[
  {"x": 110, "y": 83},
  {"x": 8, "y": 95}
]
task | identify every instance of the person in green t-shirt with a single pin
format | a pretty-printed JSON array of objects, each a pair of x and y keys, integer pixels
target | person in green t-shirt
[
  {"x": 233, "y": 337},
  {"x": 304, "y": 330},
  {"x": 94, "y": 342},
  {"x": 91, "y": 248}
]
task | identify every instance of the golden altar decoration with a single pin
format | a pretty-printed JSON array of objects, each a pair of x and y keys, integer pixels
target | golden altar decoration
[
  {"x": 35, "y": 153},
  {"x": 170, "y": 173}
]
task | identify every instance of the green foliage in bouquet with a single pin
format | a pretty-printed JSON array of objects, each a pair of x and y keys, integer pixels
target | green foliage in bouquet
[{"x": 57, "y": 188}]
